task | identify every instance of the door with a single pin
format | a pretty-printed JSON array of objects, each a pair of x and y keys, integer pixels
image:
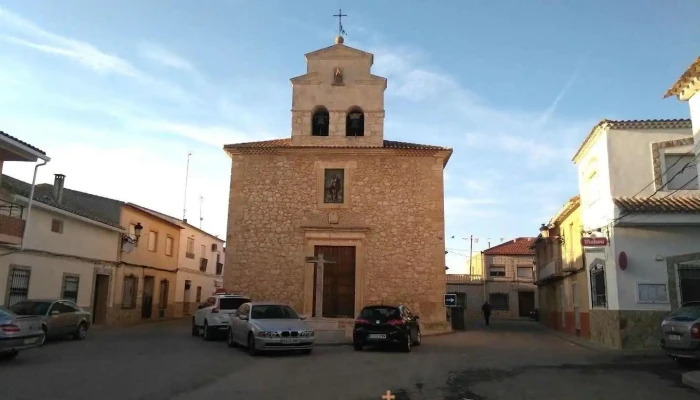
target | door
[
  {"x": 186, "y": 298},
  {"x": 338, "y": 281},
  {"x": 562, "y": 306},
  {"x": 163, "y": 294},
  {"x": 147, "y": 302},
  {"x": 60, "y": 320},
  {"x": 526, "y": 303},
  {"x": 99, "y": 301},
  {"x": 577, "y": 307}
]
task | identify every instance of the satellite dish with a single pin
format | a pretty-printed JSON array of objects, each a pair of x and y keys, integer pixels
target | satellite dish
[{"x": 127, "y": 247}]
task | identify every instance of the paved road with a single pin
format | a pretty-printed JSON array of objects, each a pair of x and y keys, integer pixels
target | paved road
[{"x": 509, "y": 360}]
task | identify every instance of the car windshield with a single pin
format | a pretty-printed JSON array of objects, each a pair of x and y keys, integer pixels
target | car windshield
[
  {"x": 5, "y": 312},
  {"x": 273, "y": 312},
  {"x": 380, "y": 313},
  {"x": 232, "y": 303},
  {"x": 687, "y": 312},
  {"x": 31, "y": 308}
]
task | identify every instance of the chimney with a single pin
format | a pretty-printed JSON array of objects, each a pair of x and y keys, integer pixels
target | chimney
[
  {"x": 58, "y": 182},
  {"x": 184, "y": 220}
]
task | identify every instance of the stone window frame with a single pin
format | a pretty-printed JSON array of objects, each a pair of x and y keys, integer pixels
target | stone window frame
[
  {"x": 348, "y": 167},
  {"x": 134, "y": 296},
  {"x": 595, "y": 301},
  {"x": 640, "y": 283},
  {"x": 658, "y": 150},
  {"x": 351, "y": 110}
]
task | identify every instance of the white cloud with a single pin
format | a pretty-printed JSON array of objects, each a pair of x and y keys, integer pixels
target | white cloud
[{"x": 166, "y": 57}]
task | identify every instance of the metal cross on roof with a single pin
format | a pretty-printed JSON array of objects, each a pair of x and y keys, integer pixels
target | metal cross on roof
[{"x": 340, "y": 16}]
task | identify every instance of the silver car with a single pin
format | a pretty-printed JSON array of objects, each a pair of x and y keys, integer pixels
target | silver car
[
  {"x": 264, "y": 326},
  {"x": 18, "y": 333},
  {"x": 58, "y": 317},
  {"x": 680, "y": 334}
]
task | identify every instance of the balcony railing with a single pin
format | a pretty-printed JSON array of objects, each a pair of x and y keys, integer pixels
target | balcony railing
[
  {"x": 11, "y": 222},
  {"x": 463, "y": 278},
  {"x": 203, "y": 264},
  {"x": 219, "y": 268}
]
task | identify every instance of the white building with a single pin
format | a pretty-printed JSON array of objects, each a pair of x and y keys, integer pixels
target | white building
[
  {"x": 637, "y": 197},
  {"x": 200, "y": 265},
  {"x": 66, "y": 253},
  {"x": 686, "y": 88}
]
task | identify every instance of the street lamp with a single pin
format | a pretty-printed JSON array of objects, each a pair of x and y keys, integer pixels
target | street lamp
[{"x": 137, "y": 233}]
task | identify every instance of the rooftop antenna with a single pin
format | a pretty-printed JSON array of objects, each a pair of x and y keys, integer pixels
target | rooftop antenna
[
  {"x": 187, "y": 174},
  {"x": 201, "y": 200}
]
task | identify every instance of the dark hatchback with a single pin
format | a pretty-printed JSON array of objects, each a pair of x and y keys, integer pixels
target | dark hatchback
[{"x": 386, "y": 325}]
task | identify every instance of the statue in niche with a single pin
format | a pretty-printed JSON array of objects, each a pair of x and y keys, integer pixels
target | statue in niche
[
  {"x": 338, "y": 77},
  {"x": 334, "y": 185},
  {"x": 319, "y": 123},
  {"x": 355, "y": 124}
]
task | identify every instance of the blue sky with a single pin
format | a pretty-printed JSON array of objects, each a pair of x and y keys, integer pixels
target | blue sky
[{"x": 117, "y": 93}]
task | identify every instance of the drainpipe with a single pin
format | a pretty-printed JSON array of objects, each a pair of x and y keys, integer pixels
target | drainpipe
[{"x": 31, "y": 201}]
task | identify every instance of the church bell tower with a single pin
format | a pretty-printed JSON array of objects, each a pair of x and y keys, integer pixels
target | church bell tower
[{"x": 338, "y": 102}]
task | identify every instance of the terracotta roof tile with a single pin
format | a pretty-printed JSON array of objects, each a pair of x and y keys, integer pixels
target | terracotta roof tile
[
  {"x": 693, "y": 72},
  {"x": 24, "y": 143},
  {"x": 661, "y": 205},
  {"x": 287, "y": 143},
  {"x": 607, "y": 124},
  {"x": 516, "y": 247}
]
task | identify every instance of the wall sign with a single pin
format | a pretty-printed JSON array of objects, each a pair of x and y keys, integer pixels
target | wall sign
[
  {"x": 594, "y": 241},
  {"x": 622, "y": 260}
]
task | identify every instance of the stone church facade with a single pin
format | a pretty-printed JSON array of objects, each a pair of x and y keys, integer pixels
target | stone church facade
[{"x": 336, "y": 187}]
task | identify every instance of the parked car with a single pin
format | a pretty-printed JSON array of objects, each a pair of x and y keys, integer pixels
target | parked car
[
  {"x": 680, "y": 334},
  {"x": 261, "y": 326},
  {"x": 386, "y": 325},
  {"x": 58, "y": 317},
  {"x": 213, "y": 316},
  {"x": 18, "y": 333}
]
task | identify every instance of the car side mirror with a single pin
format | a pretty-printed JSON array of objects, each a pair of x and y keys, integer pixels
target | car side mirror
[
  {"x": 303, "y": 317},
  {"x": 54, "y": 313},
  {"x": 199, "y": 307},
  {"x": 243, "y": 317},
  {"x": 415, "y": 317}
]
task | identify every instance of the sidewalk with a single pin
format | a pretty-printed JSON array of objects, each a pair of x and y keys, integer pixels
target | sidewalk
[{"x": 587, "y": 344}]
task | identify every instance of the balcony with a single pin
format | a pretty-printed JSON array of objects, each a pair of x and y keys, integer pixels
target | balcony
[
  {"x": 11, "y": 222},
  {"x": 203, "y": 264},
  {"x": 219, "y": 268},
  {"x": 463, "y": 278},
  {"x": 550, "y": 270}
]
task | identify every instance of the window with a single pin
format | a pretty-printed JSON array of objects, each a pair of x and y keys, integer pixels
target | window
[
  {"x": 168, "y": 246},
  {"x": 163, "y": 294},
  {"x": 152, "y": 241},
  {"x": 199, "y": 294},
  {"x": 69, "y": 291},
  {"x": 334, "y": 186},
  {"x": 129, "y": 292},
  {"x": 524, "y": 272},
  {"x": 132, "y": 231},
  {"x": 190, "y": 248},
  {"x": 204, "y": 251},
  {"x": 499, "y": 301},
  {"x": 497, "y": 271},
  {"x": 598, "y": 295},
  {"x": 355, "y": 122},
  {"x": 17, "y": 285},
  {"x": 652, "y": 293},
  {"x": 319, "y": 122},
  {"x": 56, "y": 225},
  {"x": 592, "y": 187},
  {"x": 687, "y": 179}
]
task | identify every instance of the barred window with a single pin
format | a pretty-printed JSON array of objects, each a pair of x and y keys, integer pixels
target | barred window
[
  {"x": 598, "y": 294},
  {"x": 70, "y": 288}
]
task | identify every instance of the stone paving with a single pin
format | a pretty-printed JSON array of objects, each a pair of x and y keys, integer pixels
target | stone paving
[{"x": 508, "y": 360}]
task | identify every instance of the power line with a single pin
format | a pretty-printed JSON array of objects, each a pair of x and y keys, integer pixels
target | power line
[{"x": 668, "y": 195}]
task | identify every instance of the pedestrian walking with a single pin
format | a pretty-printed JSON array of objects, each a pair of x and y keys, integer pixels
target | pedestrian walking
[{"x": 486, "y": 311}]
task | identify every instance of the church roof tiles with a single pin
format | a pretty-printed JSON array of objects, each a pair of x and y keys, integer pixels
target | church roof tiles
[{"x": 287, "y": 143}]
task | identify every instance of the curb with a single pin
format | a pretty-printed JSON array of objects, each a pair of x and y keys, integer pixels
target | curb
[
  {"x": 692, "y": 379},
  {"x": 107, "y": 328},
  {"x": 641, "y": 353}
]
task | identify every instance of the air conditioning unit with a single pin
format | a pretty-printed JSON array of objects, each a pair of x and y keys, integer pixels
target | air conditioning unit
[{"x": 214, "y": 247}]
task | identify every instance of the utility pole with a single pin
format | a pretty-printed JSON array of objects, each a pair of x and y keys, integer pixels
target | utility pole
[
  {"x": 471, "y": 244},
  {"x": 187, "y": 174},
  {"x": 201, "y": 200}
]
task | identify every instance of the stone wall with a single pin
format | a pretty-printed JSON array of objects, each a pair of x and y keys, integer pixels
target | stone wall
[
  {"x": 626, "y": 329},
  {"x": 393, "y": 210}
]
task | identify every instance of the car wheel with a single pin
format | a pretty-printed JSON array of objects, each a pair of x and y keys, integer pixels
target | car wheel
[
  {"x": 10, "y": 355},
  {"x": 207, "y": 332},
  {"x": 81, "y": 333},
  {"x": 418, "y": 338},
  {"x": 251, "y": 345},
  {"x": 686, "y": 362},
  {"x": 406, "y": 346},
  {"x": 306, "y": 351},
  {"x": 195, "y": 329},
  {"x": 357, "y": 346},
  {"x": 229, "y": 338}
]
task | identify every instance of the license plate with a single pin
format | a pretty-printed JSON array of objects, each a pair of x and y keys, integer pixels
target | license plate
[
  {"x": 376, "y": 336},
  {"x": 674, "y": 337},
  {"x": 29, "y": 341},
  {"x": 290, "y": 341}
]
